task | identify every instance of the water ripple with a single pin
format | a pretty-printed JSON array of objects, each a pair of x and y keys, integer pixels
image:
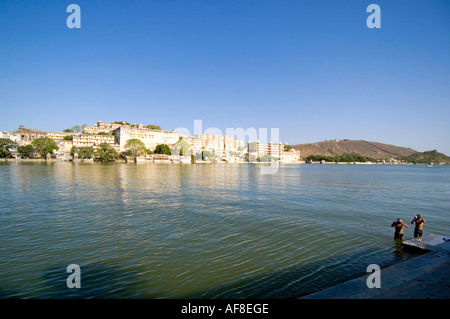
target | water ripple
[{"x": 207, "y": 231}]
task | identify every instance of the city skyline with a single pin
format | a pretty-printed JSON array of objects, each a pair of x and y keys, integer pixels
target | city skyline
[{"x": 312, "y": 69}]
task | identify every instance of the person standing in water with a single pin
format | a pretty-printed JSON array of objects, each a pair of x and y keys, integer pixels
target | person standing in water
[
  {"x": 418, "y": 219},
  {"x": 398, "y": 224}
]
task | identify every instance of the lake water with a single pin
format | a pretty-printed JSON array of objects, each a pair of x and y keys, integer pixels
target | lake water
[{"x": 206, "y": 231}]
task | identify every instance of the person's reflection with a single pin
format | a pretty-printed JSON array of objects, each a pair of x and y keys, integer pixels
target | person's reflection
[{"x": 399, "y": 250}]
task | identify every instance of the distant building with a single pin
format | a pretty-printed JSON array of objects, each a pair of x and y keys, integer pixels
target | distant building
[
  {"x": 195, "y": 143},
  {"x": 276, "y": 151},
  {"x": 259, "y": 150},
  {"x": 56, "y": 136},
  {"x": 216, "y": 142},
  {"x": 28, "y": 136},
  {"x": 150, "y": 137},
  {"x": 221, "y": 147},
  {"x": 25, "y": 137},
  {"x": 118, "y": 133},
  {"x": 290, "y": 156},
  {"x": 93, "y": 140},
  {"x": 64, "y": 148},
  {"x": 12, "y": 136},
  {"x": 102, "y": 128}
]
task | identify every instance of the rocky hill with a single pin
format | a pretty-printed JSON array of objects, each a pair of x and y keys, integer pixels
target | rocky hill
[
  {"x": 428, "y": 158},
  {"x": 342, "y": 147}
]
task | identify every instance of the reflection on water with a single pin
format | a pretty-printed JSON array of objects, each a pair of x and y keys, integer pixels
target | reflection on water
[{"x": 205, "y": 231}]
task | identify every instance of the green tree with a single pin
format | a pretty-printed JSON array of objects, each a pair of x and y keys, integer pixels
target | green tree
[
  {"x": 76, "y": 129},
  {"x": 26, "y": 151},
  {"x": 135, "y": 147},
  {"x": 68, "y": 138},
  {"x": 427, "y": 157},
  {"x": 5, "y": 145},
  {"x": 74, "y": 150},
  {"x": 68, "y": 130},
  {"x": 84, "y": 152},
  {"x": 348, "y": 158},
  {"x": 121, "y": 122},
  {"x": 287, "y": 148},
  {"x": 268, "y": 158},
  {"x": 153, "y": 127},
  {"x": 162, "y": 149},
  {"x": 44, "y": 146},
  {"x": 105, "y": 153},
  {"x": 181, "y": 148},
  {"x": 206, "y": 154}
]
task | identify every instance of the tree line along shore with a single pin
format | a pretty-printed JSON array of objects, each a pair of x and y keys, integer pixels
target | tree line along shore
[
  {"x": 43, "y": 148},
  {"x": 428, "y": 157}
]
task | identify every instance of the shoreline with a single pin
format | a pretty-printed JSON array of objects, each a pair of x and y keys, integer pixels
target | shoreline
[{"x": 43, "y": 160}]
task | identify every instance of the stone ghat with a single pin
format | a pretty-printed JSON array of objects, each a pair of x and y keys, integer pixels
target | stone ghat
[{"x": 426, "y": 276}]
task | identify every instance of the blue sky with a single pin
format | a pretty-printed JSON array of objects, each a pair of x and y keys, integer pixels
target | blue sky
[{"x": 313, "y": 69}]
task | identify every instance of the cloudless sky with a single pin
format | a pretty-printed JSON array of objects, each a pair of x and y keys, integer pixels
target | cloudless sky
[{"x": 311, "y": 68}]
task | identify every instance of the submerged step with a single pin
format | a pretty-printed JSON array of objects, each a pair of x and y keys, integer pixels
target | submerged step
[{"x": 428, "y": 242}]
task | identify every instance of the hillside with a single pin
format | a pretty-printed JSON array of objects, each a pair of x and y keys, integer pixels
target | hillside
[
  {"x": 342, "y": 147},
  {"x": 427, "y": 158}
]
